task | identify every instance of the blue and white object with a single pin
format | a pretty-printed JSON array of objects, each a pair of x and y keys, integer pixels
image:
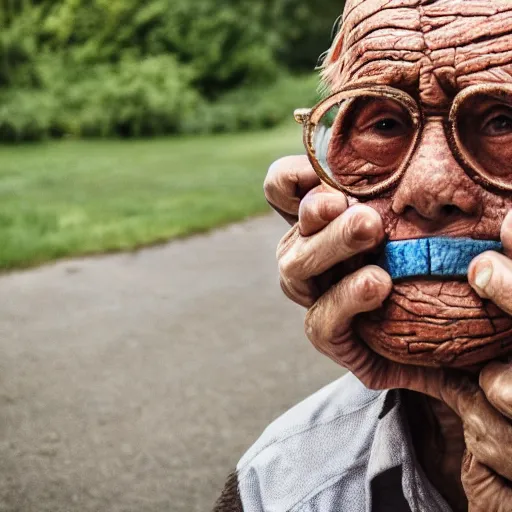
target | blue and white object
[{"x": 440, "y": 256}]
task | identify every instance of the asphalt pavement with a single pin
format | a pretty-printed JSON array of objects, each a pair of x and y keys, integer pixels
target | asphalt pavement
[{"x": 134, "y": 382}]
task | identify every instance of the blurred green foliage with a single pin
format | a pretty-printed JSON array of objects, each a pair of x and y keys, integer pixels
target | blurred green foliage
[{"x": 131, "y": 68}]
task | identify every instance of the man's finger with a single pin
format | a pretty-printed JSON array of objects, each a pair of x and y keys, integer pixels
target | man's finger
[
  {"x": 288, "y": 180},
  {"x": 506, "y": 234},
  {"x": 355, "y": 231},
  {"x": 328, "y": 321},
  {"x": 490, "y": 274},
  {"x": 496, "y": 383},
  {"x": 319, "y": 207},
  {"x": 486, "y": 491},
  {"x": 328, "y": 326},
  {"x": 488, "y": 434},
  {"x": 300, "y": 291}
]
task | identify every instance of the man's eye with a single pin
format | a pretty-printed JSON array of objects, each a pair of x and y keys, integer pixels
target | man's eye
[
  {"x": 499, "y": 125},
  {"x": 388, "y": 127}
]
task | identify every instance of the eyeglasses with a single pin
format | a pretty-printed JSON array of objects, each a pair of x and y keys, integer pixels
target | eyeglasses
[{"x": 361, "y": 140}]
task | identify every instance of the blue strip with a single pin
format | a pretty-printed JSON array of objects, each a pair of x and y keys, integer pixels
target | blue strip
[{"x": 433, "y": 256}]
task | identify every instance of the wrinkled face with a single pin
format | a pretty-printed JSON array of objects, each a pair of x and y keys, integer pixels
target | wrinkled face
[{"x": 432, "y": 50}]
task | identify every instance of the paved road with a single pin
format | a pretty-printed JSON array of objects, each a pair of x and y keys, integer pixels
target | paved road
[{"x": 134, "y": 382}]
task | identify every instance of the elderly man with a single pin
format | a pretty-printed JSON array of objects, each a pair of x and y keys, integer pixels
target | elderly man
[{"x": 407, "y": 186}]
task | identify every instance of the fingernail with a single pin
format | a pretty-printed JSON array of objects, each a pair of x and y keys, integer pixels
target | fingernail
[{"x": 483, "y": 275}]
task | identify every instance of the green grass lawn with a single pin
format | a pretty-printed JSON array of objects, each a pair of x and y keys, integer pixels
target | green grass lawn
[{"x": 68, "y": 198}]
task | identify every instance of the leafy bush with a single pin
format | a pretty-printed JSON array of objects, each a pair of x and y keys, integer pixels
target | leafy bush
[
  {"x": 146, "y": 98},
  {"x": 132, "y": 98},
  {"x": 250, "y": 108},
  {"x": 97, "y": 68},
  {"x": 26, "y": 115}
]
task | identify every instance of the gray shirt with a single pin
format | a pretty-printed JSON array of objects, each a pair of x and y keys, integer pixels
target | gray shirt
[{"x": 344, "y": 449}]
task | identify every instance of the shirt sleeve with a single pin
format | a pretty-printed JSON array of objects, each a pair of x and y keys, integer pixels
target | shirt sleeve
[{"x": 229, "y": 500}]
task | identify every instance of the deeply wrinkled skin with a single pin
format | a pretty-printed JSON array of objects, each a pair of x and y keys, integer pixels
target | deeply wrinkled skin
[
  {"x": 462, "y": 414},
  {"x": 431, "y": 49}
]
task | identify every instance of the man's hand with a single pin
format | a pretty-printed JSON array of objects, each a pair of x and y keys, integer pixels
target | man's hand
[
  {"x": 490, "y": 274},
  {"x": 328, "y": 233},
  {"x": 486, "y": 489}
]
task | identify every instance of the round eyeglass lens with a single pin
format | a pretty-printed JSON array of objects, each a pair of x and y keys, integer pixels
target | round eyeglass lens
[
  {"x": 363, "y": 142},
  {"x": 484, "y": 132}
]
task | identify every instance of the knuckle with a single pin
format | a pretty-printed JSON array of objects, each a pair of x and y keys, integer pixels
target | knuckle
[
  {"x": 277, "y": 168},
  {"x": 269, "y": 188},
  {"x": 314, "y": 331},
  {"x": 283, "y": 268},
  {"x": 282, "y": 163},
  {"x": 499, "y": 391},
  {"x": 493, "y": 394},
  {"x": 298, "y": 262},
  {"x": 287, "y": 242},
  {"x": 360, "y": 230},
  {"x": 324, "y": 329},
  {"x": 275, "y": 173},
  {"x": 299, "y": 295},
  {"x": 287, "y": 266},
  {"x": 368, "y": 287},
  {"x": 305, "y": 259},
  {"x": 504, "y": 397}
]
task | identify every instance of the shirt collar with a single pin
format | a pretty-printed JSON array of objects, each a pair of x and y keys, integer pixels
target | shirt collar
[{"x": 392, "y": 454}]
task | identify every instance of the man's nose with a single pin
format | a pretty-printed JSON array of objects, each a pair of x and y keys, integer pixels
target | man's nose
[{"x": 434, "y": 185}]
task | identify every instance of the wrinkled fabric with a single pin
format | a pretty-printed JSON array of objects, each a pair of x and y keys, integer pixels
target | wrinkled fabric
[{"x": 324, "y": 454}]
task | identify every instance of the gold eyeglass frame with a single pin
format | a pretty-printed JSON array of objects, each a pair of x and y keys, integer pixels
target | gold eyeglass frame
[{"x": 310, "y": 118}]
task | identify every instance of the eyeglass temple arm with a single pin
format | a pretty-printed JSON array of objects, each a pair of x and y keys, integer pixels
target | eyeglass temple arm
[{"x": 302, "y": 115}]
